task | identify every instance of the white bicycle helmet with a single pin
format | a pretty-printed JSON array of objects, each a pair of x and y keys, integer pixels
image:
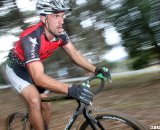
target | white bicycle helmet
[{"x": 45, "y": 7}]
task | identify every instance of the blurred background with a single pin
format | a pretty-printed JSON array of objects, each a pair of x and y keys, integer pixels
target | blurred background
[{"x": 122, "y": 35}]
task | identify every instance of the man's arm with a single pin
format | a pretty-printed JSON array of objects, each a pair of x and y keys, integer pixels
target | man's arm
[
  {"x": 78, "y": 58},
  {"x": 36, "y": 71},
  {"x": 77, "y": 91}
]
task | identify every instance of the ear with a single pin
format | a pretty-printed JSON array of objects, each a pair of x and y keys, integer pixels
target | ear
[{"x": 43, "y": 18}]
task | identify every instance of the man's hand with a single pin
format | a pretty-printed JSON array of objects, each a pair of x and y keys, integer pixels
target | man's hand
[
  {"x": 81, "y": 93},
  {"x": 104, "y": 71}
]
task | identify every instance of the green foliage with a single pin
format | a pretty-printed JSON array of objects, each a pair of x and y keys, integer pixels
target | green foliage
[
  {"x": 141, "y": 62},
  {"x": 2, "y": 79},
  {"x": 110, "y": 65},
  {"x": 136, "y": 22}
]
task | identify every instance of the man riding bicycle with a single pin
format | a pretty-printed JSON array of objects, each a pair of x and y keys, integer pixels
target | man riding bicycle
[{"x": 25, "y": 70}]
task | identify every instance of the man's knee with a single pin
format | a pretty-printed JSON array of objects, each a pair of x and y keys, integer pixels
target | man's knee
[
  {"x": 35, "y": 103},
  {"x": 32, "y": 97}
]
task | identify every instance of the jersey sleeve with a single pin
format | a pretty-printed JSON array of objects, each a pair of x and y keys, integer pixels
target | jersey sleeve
[
  {"x": 65, "y": 38},
  {"x": 30, "y": 48}
]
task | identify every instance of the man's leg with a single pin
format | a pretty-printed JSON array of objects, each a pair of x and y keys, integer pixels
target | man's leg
[
  {"x": 46, "y": 110},
  {"x": 33, "y": 99}
]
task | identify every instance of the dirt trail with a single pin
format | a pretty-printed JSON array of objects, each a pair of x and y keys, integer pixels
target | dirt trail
[{"x": 139, "y": 97}]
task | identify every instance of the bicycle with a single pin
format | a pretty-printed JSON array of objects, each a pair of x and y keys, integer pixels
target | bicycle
[{"x": 101, "y": 120}]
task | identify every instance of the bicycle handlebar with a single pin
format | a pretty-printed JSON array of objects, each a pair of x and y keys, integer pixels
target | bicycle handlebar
[
  {"x": 85, "y": 82},
  {"x": 100, "y": 87}
]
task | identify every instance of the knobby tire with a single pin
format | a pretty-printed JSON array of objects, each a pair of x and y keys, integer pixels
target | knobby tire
[{"x": 113, "y": 120}]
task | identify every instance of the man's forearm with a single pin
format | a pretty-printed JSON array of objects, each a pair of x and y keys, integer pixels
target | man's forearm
[
  {"x": 51, "y": 84},
  {"x": 78, "y": 58},
  {"x": 82, "y": 61}
]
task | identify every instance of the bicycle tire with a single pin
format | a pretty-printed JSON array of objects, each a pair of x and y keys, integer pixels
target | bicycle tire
[
  {"x": 17, "y": 121},
  {"x": 113, "y": 120}
]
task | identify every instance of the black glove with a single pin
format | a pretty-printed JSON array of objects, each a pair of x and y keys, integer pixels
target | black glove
[
  {"x": 104, "y": 71},
  {"x": 81, "y": 93}
]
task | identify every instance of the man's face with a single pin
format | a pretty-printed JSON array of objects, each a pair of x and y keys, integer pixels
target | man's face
[{"x": 55, "y": 22}]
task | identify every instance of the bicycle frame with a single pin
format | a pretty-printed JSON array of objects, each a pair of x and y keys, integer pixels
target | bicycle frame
[
  {"x": 78, "y": 111},
  {"x": 71, "y": 121},
  {"x": 87, "y": 114},
  {"x": 82, "y": 108}
]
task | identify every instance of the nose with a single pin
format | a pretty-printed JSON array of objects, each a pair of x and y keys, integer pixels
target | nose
[{"x": 61, "y": 20}]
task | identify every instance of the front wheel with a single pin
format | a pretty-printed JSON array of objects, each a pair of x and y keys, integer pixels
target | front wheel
[
  {"x": 112, "y": 120},
  {"x": 18, "y": 121}
]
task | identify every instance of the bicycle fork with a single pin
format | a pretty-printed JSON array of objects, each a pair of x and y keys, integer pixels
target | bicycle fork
[
  {"x": 92, "y": 120},
  {"x": 94, "y": 123},
  {"x": 78, "y": 111}
]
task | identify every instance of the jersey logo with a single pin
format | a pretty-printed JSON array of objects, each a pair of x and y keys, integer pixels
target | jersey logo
[
  {"x": 33, "y": 45},
  {"x": 33, "y": 41}
]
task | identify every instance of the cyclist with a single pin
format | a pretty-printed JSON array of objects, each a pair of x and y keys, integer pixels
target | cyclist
[{"x": 25, "y": 69}]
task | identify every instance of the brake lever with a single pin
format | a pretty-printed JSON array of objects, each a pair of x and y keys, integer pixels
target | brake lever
[{"x": 110, "y": 80}]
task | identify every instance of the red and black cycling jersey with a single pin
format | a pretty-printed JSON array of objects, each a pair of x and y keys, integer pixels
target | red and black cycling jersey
[{"x": 33, "y": 45}]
